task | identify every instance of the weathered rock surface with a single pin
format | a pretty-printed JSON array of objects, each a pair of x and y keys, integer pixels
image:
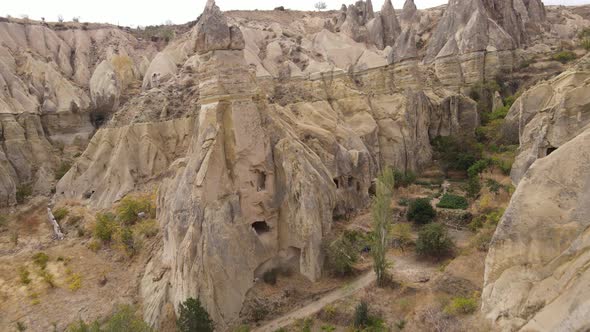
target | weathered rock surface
[
  {"x": 536, "y": 275},
  {"x": 549, "y": 115}
]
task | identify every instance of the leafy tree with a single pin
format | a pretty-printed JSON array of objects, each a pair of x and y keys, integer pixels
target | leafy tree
[
  {"x": 320, "y": 5},
  {"x": 125, "y": 319},
  {"x": 382, "y": 216},
  {"x": 193, "y": 317},
  {"x": 449, "y": 201},
  {"x": 434, "y": 241},
  {"x": 105, "y": 227},
  {"x": 343, "y": 252},
  {"x": 421, "y": 212}
]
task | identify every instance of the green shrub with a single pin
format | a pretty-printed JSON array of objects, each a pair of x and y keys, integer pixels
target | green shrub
[
  {"x": 63, "y": 168},
  {"x": 361, "y": 315},
  {"x": 20, "y": 326},
  {"x": 343, "y": 252},
  {"x": 130, "y": 207},
  {"x": 456, "y": 153},
  {"x": 461, "y": 306},
  {"x": 478, "y": 167},
  {"x": 24, "y": 275},
  {"x": 22, "y": 192},
  {"x": 564, "y": 56},
  {"x": 493, "y": 185},
  {"x": 105, "y": 227},
  {"x": 47, "y": 277},
  {"x": 449, "y": 201},
  {"x": 193, "y": 317},
  {"x": 60, "y": 213},
  {"x": 473, "y": 187},
  {"x": 585, "y": 44},
  {"x": 433, "y": 241},
  {"x": 403, "y": 201},
  {"x": 404, "y": 179},
  {"x": 421, "y": 212},
  {"x": 148, "y": 228},
  {"x": 127, "y": 240},
  {"x": 41, "y": 259},
  {"x": 125, "y": 319},
  {"x": 82, "y": 326}
]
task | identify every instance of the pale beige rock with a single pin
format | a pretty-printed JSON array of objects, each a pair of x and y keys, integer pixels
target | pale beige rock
[
  {"x": 105, "y": 88},
  {"x": 536, "y": 276}
]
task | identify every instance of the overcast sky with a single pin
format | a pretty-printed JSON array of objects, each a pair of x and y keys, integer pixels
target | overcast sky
[{"x": 142, "y": 12}]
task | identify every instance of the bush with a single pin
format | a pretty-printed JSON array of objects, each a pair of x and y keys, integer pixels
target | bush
[
  {"x": 125, "y": 319},
  {"x": 456, "y": 153},
  {"x": 60, "y": 213},
  {"x": 473, "y": 187},
  {"x": 193, "y": 317},
  {"x": 461, "y": 306},
  {"x": 361, "y": 315},
  {"x": 74, "y": 282},
  {"x": 22, "y": 192},
  {"x": 63, "y": 168},
  {"x": 81, "y": 326},
  {"x": 404, "y": 179},
  {"x": 421, "y": 212},
  {"x": 41, "y": 259},
  {"x": 433, "y": 241},
  {"x": 127, "y": 240},
  {"x": 148, "y": 228},
  {"x": 47, "y": 277},
  {"x": 401, "y": 234},
  {"x": 105, "y": 227},
  {"x": 343, "y": 252},
  {"x": 564, "y": 56},
  {"x": 585, "y": 43},
  {"x": 24, "y": 275},
  {"x": 449, "y": 201},
  {"x": 478, "y": 167},
  {"x": 130, "y": 207}
]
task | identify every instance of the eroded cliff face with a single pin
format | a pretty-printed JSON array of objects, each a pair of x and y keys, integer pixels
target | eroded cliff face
[
  {"x": 536, "y": 275},
  {"x": 256, "y": 133},
  {"x": 548, "y": 115},
  {"x": 46, "y": 112}
]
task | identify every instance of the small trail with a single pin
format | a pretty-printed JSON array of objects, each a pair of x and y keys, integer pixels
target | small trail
[{"x": 314, "y": 307}]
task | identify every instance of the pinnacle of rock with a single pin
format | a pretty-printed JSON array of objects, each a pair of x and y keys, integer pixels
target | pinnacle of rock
[
  {"x": 214, "y": 33},
  {"x": 409, "y": 11},
  {"x": 391, "y": 26}
]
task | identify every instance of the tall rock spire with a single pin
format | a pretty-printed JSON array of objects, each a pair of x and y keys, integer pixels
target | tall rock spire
[
  {"x": 391, "y": 27},
  {"x": 213, "y": 32},
  {"x": 409, "y": 12}
]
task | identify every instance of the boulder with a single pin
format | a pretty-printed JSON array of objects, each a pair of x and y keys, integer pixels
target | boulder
[{"x": 105, "y": 89}]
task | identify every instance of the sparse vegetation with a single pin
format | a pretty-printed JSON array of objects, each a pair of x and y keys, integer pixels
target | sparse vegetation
[
  {"x": 148, "y": 228},
  {"x": 343, "y": 252},
  {"x": 47, "y": 277},
  {"x": 421, "y": 211},
  {"x": 60, "y": 213},
  {"x": 361, "y": 315},
  {"x": 461, "y": 306},
  {"x": 320, "y": 5},
  {"x": 41, "y": 259},
  {"x": 131, "y": 206},
  {"x": 20, "y": 326},
  {"x": 450, "y": 201},
  {"x": 564, "y": 56},
  {"x": 3, "y": 221},
  {"x": 74, "y": 281},
  {"x": 456, "y": 154},
  {"x": 105, "y": 227},
  {"x": 401, "y": 235},
  {"x": 193, "y": 317},
  {"x": 24, "y": 275},
  {"x": 404, "y": 179},
  {"x": 23, "y": 191},
  {"x": 434, "y": 241}
]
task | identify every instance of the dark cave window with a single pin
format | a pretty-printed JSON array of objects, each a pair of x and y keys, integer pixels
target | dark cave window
[
  {"x": 350, "y": 181},
  {"x": 261, "y": 227},
  {"x": 550, "y": 150},
  {"x": 337, "y": 183},
  {"x": 358, "y": 186}
]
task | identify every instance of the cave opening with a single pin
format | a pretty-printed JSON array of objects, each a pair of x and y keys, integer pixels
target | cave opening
[
  {"x": 337, "y": 182},
  {"x": 260, "y": 227},
  {"x": 550, "y": 150},
  {"x": 350, "y": 181}
]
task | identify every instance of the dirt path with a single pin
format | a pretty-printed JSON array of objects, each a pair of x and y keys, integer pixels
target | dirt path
[{"x": 314, "y": 307}]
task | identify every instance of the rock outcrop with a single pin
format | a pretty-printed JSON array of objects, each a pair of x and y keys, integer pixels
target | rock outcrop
[
  {"x": 475, "y": 39},
  {"x": 536, "y": 276},
  {"x": 548, "y": 115}
]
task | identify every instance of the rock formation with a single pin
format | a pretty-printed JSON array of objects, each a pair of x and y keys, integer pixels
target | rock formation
[
  {"x": 548, "y": 115},
  {"x": 536, "y": 275},
  {"x": 475, "y": 39}
]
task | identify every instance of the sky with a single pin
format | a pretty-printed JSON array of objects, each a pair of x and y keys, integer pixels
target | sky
[{"x": 151, "y": 12}]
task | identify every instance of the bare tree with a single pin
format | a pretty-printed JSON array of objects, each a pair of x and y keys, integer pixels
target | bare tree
[
  {"x": 320, "y": 5},
  {"x": 60, "y": 18},
  {"x": 168, "y": 22},
  {"x": 76, "y": 19}
]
